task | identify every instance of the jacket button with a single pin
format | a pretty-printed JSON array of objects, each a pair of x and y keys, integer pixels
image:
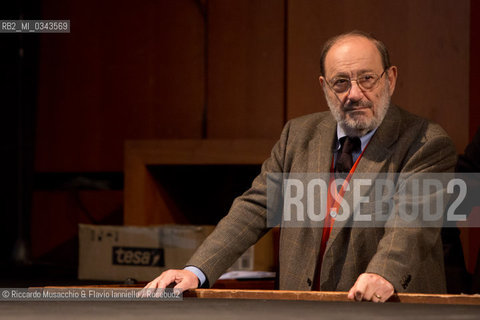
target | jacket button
[{"x": 405, "y": 281}]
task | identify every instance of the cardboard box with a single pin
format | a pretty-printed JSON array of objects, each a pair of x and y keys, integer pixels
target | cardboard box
[
  {"x": 120, "y": 252},
  {"x": 142, "y": 253}
]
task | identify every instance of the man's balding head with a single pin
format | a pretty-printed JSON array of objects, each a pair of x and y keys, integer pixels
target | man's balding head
[{"x": 382, "y": 49}]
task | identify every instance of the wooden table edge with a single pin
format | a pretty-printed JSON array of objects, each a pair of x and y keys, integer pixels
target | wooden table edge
[{"x": 336, "y": 296}]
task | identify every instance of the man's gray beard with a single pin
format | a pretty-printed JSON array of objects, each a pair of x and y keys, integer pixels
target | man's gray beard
[{"x": 360, "y": 127}]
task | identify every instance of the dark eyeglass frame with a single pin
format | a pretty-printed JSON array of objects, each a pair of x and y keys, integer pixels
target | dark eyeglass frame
[{"x": 359, "y": 83}]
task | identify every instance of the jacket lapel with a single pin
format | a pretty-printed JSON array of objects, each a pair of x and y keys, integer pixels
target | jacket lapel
[
  {"x": 374, "y": 161},
  {"x": 321, "y": 147}
]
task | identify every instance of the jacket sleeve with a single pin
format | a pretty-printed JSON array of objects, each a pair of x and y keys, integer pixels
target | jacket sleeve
[
  {"x": 245, "y": 223},
  {"x": 408, "y": 249}
]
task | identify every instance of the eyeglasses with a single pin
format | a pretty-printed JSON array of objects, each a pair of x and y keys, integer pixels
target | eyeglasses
[{"x": 365, "y": 82}]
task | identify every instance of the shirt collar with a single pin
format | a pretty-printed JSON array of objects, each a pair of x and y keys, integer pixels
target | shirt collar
[{"x": 364, "y": 140}]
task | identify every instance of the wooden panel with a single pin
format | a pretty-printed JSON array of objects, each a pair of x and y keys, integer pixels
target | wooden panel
[
  {"x": 245, "y": 68},
  {"x": 474, "y": 67},
  {"x": 145, "y": 200},
  {"x": 56, "y": 215},
  {"x": 428, "y": 41},
  {"x": 187, "y": 151},
  {"x": 127, "y": 70}
]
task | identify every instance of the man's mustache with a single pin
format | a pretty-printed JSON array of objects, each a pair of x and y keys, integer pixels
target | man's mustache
[{"x": 350, "y": 106}]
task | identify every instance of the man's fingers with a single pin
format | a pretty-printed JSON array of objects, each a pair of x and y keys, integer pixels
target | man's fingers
[
  {"x": 145, "y": 291},
  {"x": 183, "y": 279},
  {"x": 180, "y": 287},
  {"x": 360, "y": 288},
  {"x": 351, "y": 293},
  {"x": 376, "y": 298},
  {"x": 370, "y": 293},
  {"x": 186, "y": 283},
  {"x": 148, "y": 290},
  {"x": 385, "y": 292},
  {"x": 382, "y": 289},
  {"x": 166, "y": 278},
  {"x": 155, "y": 287},
  {"x": 371, "y": 287},
  {"x": 356, "y": 292}
]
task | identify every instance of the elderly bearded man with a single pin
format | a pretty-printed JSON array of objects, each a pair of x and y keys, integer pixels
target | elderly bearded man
[{"x": 358, "y": 81}]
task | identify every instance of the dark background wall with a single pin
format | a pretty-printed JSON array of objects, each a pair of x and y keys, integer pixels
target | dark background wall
[
  {"x": 202, "y": 69},
  {"x": 18, "y": 96},
  {"x": 225, "y": 69}
]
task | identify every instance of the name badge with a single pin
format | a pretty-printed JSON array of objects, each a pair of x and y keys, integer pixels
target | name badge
[{"x": 333, "y": 213}]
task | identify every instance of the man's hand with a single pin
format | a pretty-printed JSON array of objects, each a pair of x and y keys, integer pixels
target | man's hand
[
  {"x": 183, "y": 279},
  {"x": 371, "y": 287}
]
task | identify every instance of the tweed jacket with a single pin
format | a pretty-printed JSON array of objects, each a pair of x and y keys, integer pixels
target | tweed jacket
[{"x": 409, "y": 258}]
